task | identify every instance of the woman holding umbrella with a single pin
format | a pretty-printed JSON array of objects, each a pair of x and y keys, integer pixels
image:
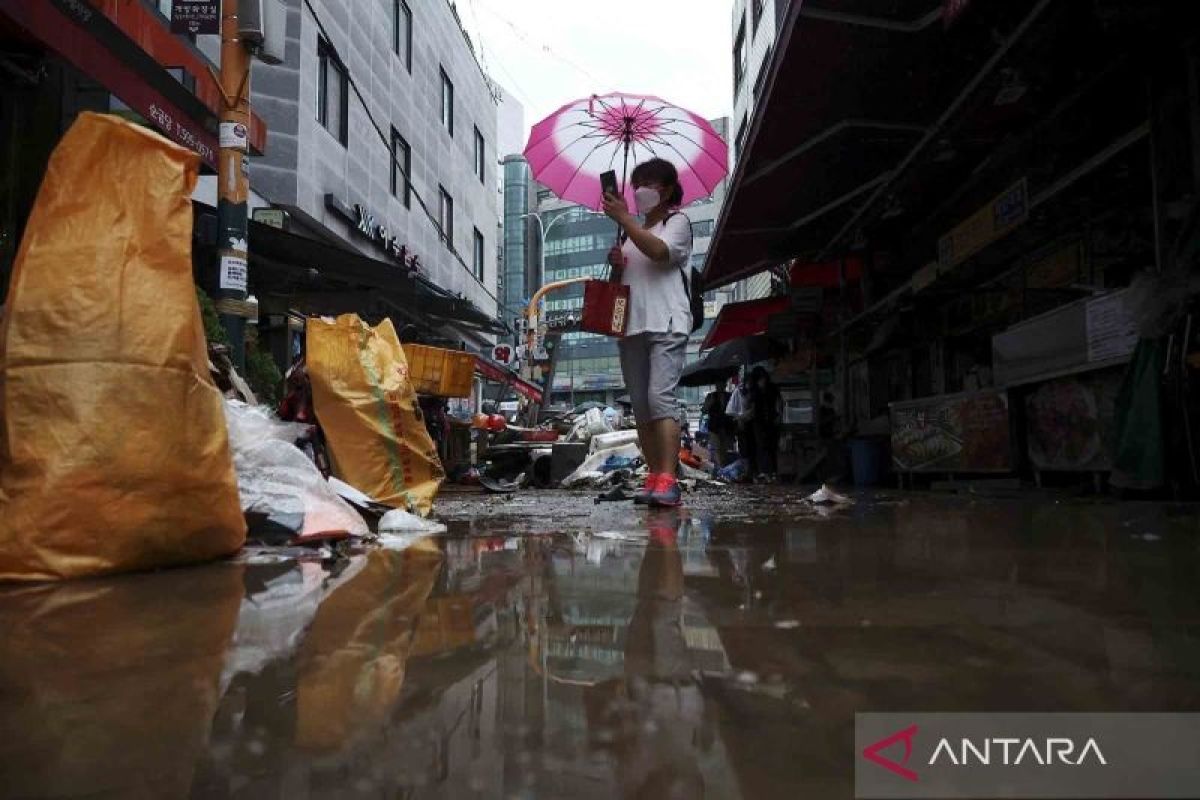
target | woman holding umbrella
[
  {"x": 680, "y": 157},
  {"x": 653, "y": 260}
]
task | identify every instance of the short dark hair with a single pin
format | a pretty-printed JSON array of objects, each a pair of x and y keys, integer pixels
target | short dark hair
[{"x": 660, "y": 171}]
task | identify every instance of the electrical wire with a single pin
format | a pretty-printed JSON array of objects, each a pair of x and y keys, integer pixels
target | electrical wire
[
  {"x": 412, "y": 189},
  {"x": 543, "y": 47}
]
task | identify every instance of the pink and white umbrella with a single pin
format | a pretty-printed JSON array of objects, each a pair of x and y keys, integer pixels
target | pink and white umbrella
[{"x": 569, "y": 150}]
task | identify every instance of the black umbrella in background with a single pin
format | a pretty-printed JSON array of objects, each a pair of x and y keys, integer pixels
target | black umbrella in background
[{"x": 724, "y": 360}]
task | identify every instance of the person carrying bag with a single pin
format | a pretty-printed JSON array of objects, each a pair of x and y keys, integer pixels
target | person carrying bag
[{"x": 651, "y": 260}]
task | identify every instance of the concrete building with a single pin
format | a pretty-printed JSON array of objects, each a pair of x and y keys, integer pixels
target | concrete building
[
  {"x": 755, "y": 29},
  {"x": 577, "y": 244},
  {"x": 361, "y": 83}
]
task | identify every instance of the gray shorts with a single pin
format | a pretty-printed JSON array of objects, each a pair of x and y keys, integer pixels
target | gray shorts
[{"x": 652, "y": 364}]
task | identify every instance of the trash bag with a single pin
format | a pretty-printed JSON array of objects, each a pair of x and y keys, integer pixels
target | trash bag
[
  {"x": 276, "y": 480},
  {"x": 591, "y": 472},
  {"x": 367, "y": 408},
  {"x": 113, "y": 453}
]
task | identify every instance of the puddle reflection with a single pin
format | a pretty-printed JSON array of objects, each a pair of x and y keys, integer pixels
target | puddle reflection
[{"x": 654, "y": 654}]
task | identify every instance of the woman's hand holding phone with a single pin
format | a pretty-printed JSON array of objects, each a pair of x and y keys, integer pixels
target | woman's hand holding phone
[{"x": 615, "y": 208}]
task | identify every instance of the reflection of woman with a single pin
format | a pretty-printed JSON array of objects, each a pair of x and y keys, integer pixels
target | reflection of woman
[
  {"x": 653, "y": 260},
  {"x": 659, "y": 718}
]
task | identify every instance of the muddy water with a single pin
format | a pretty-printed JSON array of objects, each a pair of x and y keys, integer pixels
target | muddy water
[{"x": 549, "y": 647}]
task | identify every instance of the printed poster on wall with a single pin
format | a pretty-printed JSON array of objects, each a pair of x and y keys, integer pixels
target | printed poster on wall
[
  {"x": 1111, "y": 332},
  {"x": 953, "y": 433}
]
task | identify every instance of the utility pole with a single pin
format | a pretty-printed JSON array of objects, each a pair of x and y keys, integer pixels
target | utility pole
[{"x": 233, "y": 168}]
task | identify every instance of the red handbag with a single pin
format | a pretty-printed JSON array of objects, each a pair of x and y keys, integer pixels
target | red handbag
[{"x": 605, "y": 307}]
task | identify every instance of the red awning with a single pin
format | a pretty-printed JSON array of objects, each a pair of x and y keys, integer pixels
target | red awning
[
  {"x": 501, "y": 374},
  {"x": 744, "y": 319}
]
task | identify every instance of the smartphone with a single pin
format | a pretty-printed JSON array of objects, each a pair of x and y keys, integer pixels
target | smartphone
[{"x": 608, "y": 182}]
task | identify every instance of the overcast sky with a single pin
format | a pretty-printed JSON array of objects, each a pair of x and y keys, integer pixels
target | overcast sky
[{"x": 549, "y": 52}]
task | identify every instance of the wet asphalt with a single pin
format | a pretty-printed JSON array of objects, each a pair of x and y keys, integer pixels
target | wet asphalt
[{"x": 548, "y": 646}]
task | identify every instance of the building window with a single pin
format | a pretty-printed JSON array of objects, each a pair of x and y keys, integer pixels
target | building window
[
  {"x": 446, "y": 216},
  {"x": 479, "y": 154},
  {"x": 447, "y": 102},
  {"x": 401, "y": 168},
  {"x": 757, "y": 14},
  {"x": 331, "y": 92},
  {"x": 739, "y": 57},
  {"x": 478, "y": 260},
  {"x": 401, "y": 23},
  {"x": 763, "y": 69},
  {"x": 702, "y": 228},
  {"x": 740, "y": 140}
]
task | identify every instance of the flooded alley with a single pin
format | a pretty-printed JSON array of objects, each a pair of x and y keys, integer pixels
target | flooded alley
[{"x": 550, "y": 647}]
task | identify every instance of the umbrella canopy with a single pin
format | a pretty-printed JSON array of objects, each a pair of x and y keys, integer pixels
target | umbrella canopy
[
  {"x": 725, "y": 360},
  {"x": 569, "y": 149}
]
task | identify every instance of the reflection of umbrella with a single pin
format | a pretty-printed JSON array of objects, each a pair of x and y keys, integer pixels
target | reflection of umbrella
[
  {"x": 725, "y": 360},
  {"x": 624, "y": 400},
  {"x": 569, "y": 150}
]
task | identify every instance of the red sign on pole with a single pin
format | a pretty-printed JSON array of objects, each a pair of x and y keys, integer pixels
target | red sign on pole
[{"x": 196, "y": 17}]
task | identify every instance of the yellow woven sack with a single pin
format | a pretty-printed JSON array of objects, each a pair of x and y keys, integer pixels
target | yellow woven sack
[
  {"x": 113, "y": 449},
  {"x": 368, "y": 410}
]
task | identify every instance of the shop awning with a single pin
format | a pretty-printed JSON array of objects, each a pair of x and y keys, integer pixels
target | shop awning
[
  {"x": 750, "y": 318},
  {"x": 853, "y": 92},
  {"x": 310, "y": 260},
  {"x": 503, "y": 375},
  {"x": 123, "y": 47}
]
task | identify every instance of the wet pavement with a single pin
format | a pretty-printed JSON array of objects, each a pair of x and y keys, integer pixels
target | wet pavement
[{"x": 550, "y": 647}]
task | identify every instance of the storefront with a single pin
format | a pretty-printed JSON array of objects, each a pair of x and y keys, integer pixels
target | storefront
[{"x": 1003, "y": 173}]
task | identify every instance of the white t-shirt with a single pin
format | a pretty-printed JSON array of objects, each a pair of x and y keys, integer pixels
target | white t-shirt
[{"x": 659, "y": 300}]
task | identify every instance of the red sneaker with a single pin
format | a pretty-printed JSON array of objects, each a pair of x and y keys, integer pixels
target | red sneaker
[
  {"x": 642, "y": 495},
  {"x": 666, "y": 494}
]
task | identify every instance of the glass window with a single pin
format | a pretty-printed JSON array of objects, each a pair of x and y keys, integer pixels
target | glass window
[
  {"x": 479, "y": 149},
  {"x": 401, "y": 22},
  {"x": 401, "y": 168},
  {"x": 331, "y": 92},
  {"x": 446, "y": 216},
  {"x": 702, "y": 228},
  {"x": 739, "y": 57},
  {"x": 741, "y": 138},
  {"x": 447, "y": 102},
  {"x": 478, "y": 260},
  {"x": 757, "y": 14}
]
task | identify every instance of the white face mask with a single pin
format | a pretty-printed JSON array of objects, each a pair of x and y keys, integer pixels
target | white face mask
[{"x": 646, "y": 199}]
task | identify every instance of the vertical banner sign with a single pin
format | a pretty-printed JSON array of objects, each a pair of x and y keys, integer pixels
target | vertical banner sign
[{"x": 196, "y": 17}]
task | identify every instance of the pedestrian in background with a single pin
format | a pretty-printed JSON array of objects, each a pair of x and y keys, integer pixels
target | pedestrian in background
[
  {"x": 720, "y": 426},
  {"x": 767, "y": 410},
  {"x": 652, "y": 260},
  {"x": 740, "y": 411}
]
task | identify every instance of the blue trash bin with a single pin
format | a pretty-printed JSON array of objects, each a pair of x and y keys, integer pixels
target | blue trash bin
[{"x": 866, "y": 460}]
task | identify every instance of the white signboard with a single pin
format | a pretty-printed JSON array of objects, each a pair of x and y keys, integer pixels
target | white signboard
[
  {"x": 233, "y": 273},
  {"x": 234, "y": 135},
  {"x": 1111, "y": 332}
]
